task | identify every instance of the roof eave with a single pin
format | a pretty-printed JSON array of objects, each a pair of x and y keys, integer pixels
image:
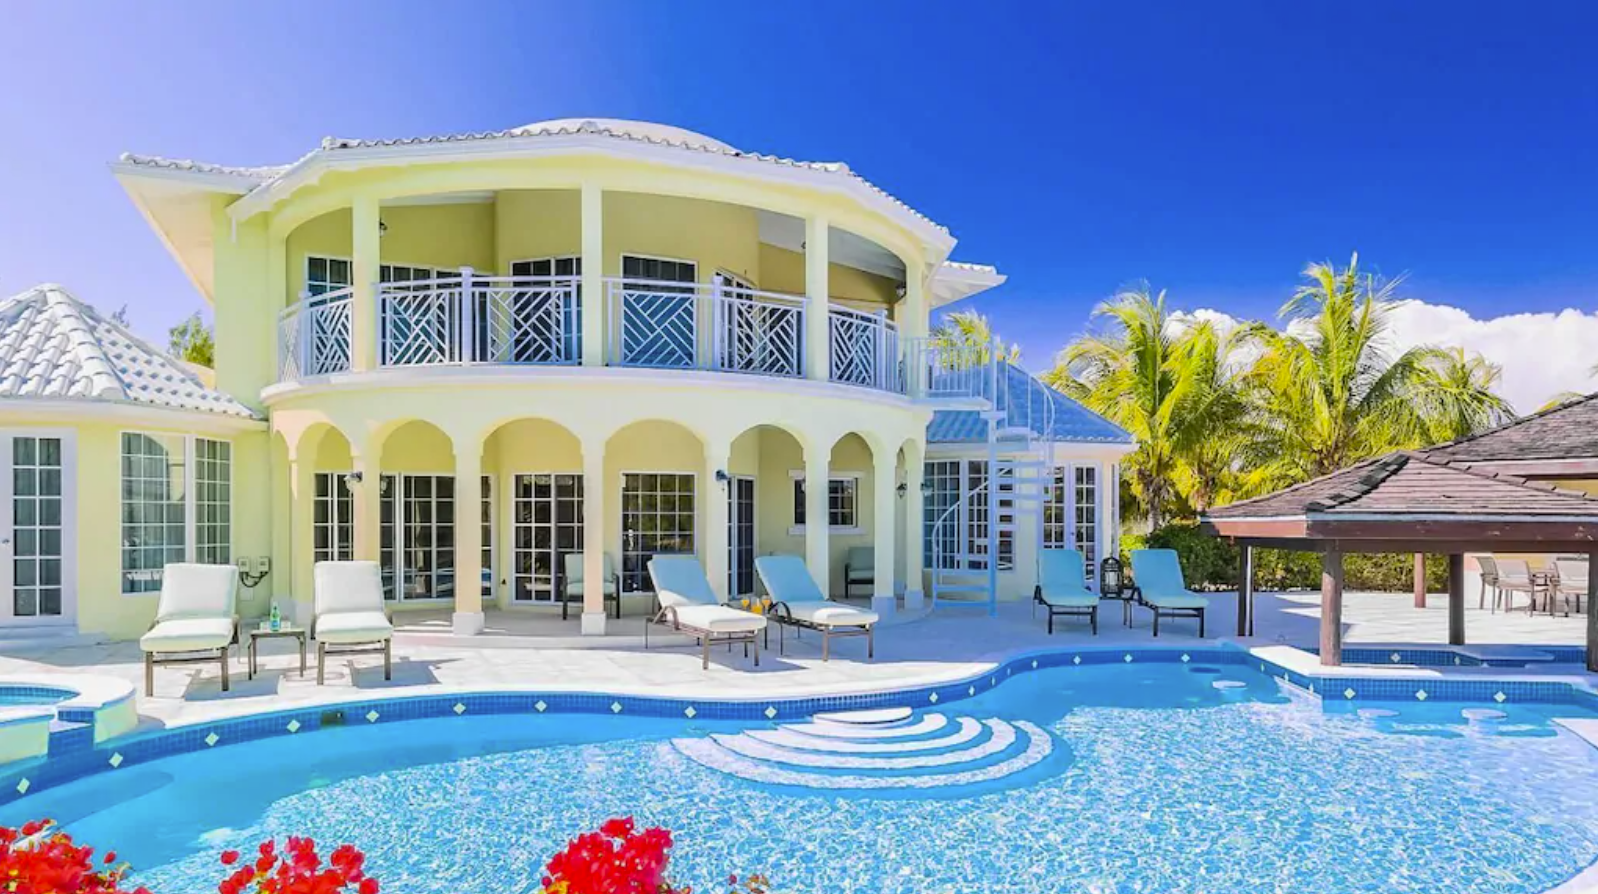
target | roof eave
[
  {"x": 952, "y": 283},
  {"x": 191, "y": 267}
]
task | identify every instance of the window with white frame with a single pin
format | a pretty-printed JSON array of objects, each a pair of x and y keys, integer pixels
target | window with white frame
[
  {"x": 657, "y": 516},
  {"x": 333, "y": 518},
  {"x": 956, "y": 512},
  {"x": 546, "y": 526},
  {"x": 843, "y": 501},
  {"x": 1087, "y": 515},
  {"x": 323, "y": 275},
  {"x": 1056, "y": 526},
  {"x": 942, "y": 512},
  {"x": 176, "y": 505}
]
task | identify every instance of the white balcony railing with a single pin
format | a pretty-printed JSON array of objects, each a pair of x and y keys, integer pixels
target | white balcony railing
[
  {"x": 864, "y": 349},
  {"x": 314, "y": 336},
  {"x": 471, "y": 319},
  {"x": 671, "y": 325},
  {"x": 940, "y": 369}
]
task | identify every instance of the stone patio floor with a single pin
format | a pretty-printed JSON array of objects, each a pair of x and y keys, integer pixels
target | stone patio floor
[{"x": 542, "y": 653}]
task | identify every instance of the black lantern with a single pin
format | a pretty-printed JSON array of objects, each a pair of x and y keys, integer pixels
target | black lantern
[{"x": 1110, "y": 580}]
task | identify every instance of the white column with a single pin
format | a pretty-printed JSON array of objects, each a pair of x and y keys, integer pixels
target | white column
[
  {"x": 594, "y": 538},
  {"x": 365, "y": 258},
  {"x": 715, "y": 494},
  {"x": 914, "y": 531},
  {"x": 1101, "y": 533},
  {"x": 468, "y": 619},
  {"x": 818, "y": 551},
  {"x": 884, "y": 488},
  {"x": 368, "y": 502},
  {"x": 593, "y": 279},
  {"x": 913, "y": 324},
  {"x": 302, "y": 534},
  {"x": 818, "y": 364}
]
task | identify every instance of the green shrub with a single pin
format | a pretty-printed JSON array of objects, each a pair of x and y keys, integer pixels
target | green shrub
[{"x": 1211, "y": 563}]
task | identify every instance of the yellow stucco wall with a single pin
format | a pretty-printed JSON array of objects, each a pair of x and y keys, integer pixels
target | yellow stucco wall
[
  {"x": 441, "y": 236},
  {"x": 782, "y": 270}
]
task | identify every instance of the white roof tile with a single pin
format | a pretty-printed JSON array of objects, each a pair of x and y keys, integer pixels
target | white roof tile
[{"x": 55, "y": 347}]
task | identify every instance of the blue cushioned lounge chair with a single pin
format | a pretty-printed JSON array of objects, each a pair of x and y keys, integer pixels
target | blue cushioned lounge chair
[
  {"x": 1061, "y": 588},
  {"x": 1157, "y": 576},
  {"x": 797, "y": 602}
]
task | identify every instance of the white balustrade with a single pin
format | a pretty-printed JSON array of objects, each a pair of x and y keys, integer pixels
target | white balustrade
[
  {"x": 865, "y": 349},
  {"x": 674, "y": 325},
  {"x": 472, "y": 319},
  {"x": 939, "y": 368},
  {"x": 314, "y": 336}
]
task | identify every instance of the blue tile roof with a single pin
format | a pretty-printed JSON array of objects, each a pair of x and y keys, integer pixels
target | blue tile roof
[{"x": 1025, "y": 403}]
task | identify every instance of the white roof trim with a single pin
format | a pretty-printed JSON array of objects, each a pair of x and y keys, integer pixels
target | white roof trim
[{"x": 95, "y": 410}]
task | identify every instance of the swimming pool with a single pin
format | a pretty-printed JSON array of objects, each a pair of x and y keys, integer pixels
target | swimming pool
[{"x": 1149, "y": 779}]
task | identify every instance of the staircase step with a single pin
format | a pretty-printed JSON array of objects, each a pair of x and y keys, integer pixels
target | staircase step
[{"x": 963, "y": 588}]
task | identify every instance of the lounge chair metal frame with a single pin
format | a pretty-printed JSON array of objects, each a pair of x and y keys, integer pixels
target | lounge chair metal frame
[
  {"x": 198, "y": 656},
  {"x": 784, "y": 617},
  {"x": 1065, "y": 611},
  {"x": 386, "y": 647},
  {"x": 1168, "y": 612},
  {"x": 707, "y": 638}
]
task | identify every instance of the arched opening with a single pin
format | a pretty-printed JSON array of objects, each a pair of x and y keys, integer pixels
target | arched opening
[
  {"x": 533, "y": 474},
  {"x": 658, "y": 470},
  {"x": 850, "y": 515},
  {"x": 420, "y": 504},
  {"x": 762, "y": 468}
]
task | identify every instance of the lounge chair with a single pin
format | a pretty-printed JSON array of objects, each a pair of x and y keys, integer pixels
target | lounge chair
[
  {"x": 1572, "y": 582},
  {"x": 1157, "y": 574},
  {"x": 797, "y": 602},
  {"x": 574, "y": 582},
  {"x": 1061, "y": 588},
  {"x": 350, "y": 615},
  {"x": 1489, "y": 580},
  {"x": 859, "y": 567},
  {"x": 688, "y": 603},
  {"x": 196, "y": 619},
  {"x": 1514, "y": 576}
]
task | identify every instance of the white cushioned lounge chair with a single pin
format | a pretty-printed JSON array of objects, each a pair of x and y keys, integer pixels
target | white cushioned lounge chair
[
  {"x": 196, "y": 619},
  {"x": 350, "y": 614},
  {"x": 688, "y": 603},
  {"x": 797, "y": 602},
  {"x": 1157, "y": 574},
  {"x": 1062, "y": 589}
]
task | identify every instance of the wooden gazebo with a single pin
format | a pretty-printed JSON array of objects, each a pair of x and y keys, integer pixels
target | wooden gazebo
[{"x": 1415, "y": 502}]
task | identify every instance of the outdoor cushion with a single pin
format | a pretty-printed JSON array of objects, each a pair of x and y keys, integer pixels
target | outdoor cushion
[
  {"x": 788, "y": 581},
  {"x": 831, "y": 614},
  {"x": 1158, "y": 574},
  {"x": 574, "y": 575},
  {"x": 1060, "y": 581},
  {"x": 860, "y": 562},
  {"x": 719, "y": 619},
  {"x": 192, "y": 590},
  {"x": 1176, "y": 600},
  {"x": 188, "y": 635},
  {"x": 680, "y": 581},
  {"x": 348, "y": 587},
  {"x": 345, "y": 628}
]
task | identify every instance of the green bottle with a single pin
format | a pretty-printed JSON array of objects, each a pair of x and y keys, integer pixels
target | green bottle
[{"x": 276, "y": 619}]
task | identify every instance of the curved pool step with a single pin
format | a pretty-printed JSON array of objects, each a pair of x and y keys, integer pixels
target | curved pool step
[
  {"x": 710, "y": 753},
  {"x": 929, "y": 723},
  {"x": 1001, "y": 736},
  {"x": 968, "y": 729},
  {"x": 871, "y": 717}
]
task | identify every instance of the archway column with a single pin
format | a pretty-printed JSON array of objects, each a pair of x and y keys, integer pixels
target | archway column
[
  {"x": 367, "y": 500},
  {"x": 302, "y": 533},
  {"x": 914, "y": 528},
  {"x": 884, "y": 487},
  {"x": 818, "y": 548},
  {"x": 715, "y": 492},
  {"x": 468, "y": 618},
  {"x": 593, "y": 621}
]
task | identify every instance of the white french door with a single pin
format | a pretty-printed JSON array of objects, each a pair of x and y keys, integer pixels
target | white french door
[
  {"x": 546, "y": 527},
  {"x": 741, "y": 536},
  {"x": 38, "y": 556}
]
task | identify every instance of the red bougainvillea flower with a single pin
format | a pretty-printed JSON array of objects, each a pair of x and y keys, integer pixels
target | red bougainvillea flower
[
  {"x": 298, "y": 870},
  {"x": 38, "y": 857}
]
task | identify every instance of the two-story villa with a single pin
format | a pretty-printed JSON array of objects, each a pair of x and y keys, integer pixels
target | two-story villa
[{"x": 470, "y": 357}]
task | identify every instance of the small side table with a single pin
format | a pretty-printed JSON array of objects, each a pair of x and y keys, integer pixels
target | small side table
[{"x": 264, "y": 632}]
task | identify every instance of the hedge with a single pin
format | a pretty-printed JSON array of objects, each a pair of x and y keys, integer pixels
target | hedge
[{"x": 1210, "y": 563}]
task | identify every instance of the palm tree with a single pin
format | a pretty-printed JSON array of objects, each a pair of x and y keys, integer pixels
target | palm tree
[
  {"x": 1138, "y": 372},
  {"x": 1330, "y": 390},
  {"x": 1457, "y": 397},
  {"x": 1215, "y": 435},
  {"x": 972, "y": 336},
  {"x": 192, "y": 341}
]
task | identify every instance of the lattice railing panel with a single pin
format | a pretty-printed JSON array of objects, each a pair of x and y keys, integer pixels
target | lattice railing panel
[
  {"x": 314, "y": 337},
  {"x": 862, "y": 350}
]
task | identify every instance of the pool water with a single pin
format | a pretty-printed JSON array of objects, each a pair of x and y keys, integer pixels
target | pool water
[{"x": 1150, "y": 779}]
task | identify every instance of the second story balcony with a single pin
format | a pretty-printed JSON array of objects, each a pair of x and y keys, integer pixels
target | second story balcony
[{"x": 463, "y": 318}]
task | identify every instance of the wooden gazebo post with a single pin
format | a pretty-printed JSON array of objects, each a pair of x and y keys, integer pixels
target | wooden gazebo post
[
  {"x": 1332, "y": 607},
  {"x": 1420, "y": 580},
  {"x": 1245, "y": 589},
  {"x": 1592, "y": 613},
  {"x": 1456, "y": 599}
]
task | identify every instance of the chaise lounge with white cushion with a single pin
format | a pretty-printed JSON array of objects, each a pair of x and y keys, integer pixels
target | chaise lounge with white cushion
[
  {"x": 196, "y": 619},
  {"x": 797, "y": 602},
  {"x": 1061, "y": 588},
  {"x": 688, "y": 603},
  {"x": 1157, "y": 575},
  {"x": 350, "y": 614}
]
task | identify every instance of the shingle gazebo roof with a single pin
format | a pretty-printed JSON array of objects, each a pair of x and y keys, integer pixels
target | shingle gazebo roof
[{"x": 1565, "y": 432}]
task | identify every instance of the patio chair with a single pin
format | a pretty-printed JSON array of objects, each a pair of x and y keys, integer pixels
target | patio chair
[
  {"x": 859, "y": 567},
  {"x": 196, "y": 619},
  {"x": 574, "y": 582},
  {"x": 1157, "y": 574},
  {"x": 799, "y": 603},
  {"x": 350, "y": 615},
  {"x": 1061, "y": 588},
  {"x": 1571, "y": 581},
  {"x": 1514, "y": 576},
  {"x": 1489, "y": 580},
  {"x": 689, "y": 604}
]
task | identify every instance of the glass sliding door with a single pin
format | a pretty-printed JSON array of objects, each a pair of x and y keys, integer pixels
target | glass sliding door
[
  {"x": 34, "y": 530},
  {"x": 741, "y": 536},
  {"x": 547, "y": 525},
  {"x": 657, "y": 516}
]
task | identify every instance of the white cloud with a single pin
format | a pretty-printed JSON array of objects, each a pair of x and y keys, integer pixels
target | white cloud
[{"x": 1541, "y": 354}]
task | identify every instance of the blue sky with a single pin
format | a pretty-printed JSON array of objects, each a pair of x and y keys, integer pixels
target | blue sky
[{"x": 1210, "y": 148}]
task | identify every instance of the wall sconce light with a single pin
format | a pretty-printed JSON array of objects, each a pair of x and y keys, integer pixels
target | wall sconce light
[
  {"x": 926, "y": 488},
  {"x": 352, "y": 481},
  {"x": 722, "y": 477},
  {"x": 902, "y": 489},
  {"x": 382, "y": 229}
]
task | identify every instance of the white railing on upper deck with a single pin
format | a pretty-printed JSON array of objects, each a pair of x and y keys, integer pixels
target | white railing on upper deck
[
  {"x": 479, "y": 319},
  {"x": 675, "y": 325},
  {"x": 864, "y": 348},
  {"x": 314, "y": 336},
  {"x": 940, "y": 369}
]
